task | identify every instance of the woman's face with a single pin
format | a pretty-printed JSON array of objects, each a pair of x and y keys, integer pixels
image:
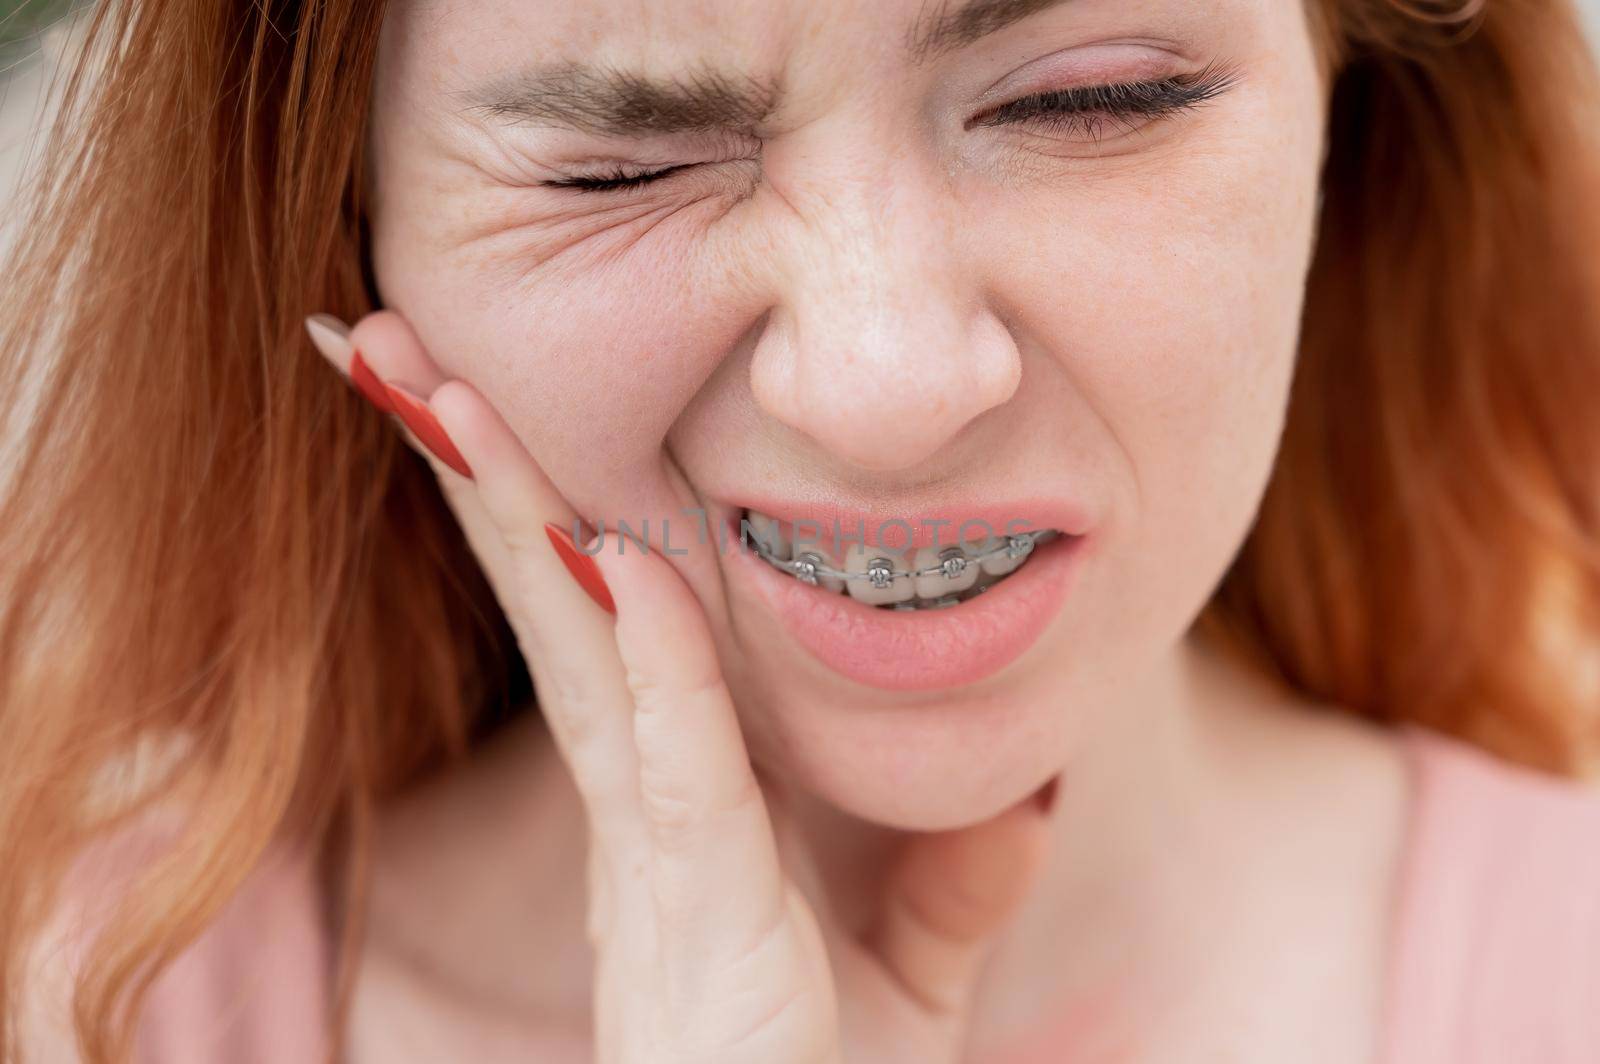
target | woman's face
[{"x": 870, "y": 290}]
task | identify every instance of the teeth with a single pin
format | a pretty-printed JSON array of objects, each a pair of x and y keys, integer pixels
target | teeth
[
  {"x": 890, "y": 586},
  {"x": 997, "y": 564},
  {"x": 766, "y": 530},
  {"x": 955, "y": 561},
  {"x": 881, "y": 576},
  {"x": 822, "y": 580}
]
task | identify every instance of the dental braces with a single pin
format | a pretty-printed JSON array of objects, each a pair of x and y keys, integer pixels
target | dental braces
[{"x": 809, "y": 567}]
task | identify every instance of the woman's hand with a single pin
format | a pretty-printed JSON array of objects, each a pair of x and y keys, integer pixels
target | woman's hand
[{"x": 707, "y": 950}]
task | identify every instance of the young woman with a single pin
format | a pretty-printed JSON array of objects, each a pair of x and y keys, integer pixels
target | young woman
[{"x": 1171, "y": 584}]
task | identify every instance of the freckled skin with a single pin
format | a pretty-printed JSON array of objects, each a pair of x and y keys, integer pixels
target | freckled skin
[{"x": 879, "y": 306}]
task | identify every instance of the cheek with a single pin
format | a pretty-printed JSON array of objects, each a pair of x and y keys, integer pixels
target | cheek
[
  {"x": 1198, "y": 336},
  {"x": 590, "y": 332},
  {"x": 1173, "y": 306}
]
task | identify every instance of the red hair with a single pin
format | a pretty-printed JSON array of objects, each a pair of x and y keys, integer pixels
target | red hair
[
  {"x": 208, "y": 550},
  {"x": 1429, "y": 544}
]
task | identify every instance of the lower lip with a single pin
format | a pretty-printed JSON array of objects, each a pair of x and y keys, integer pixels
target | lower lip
[{"x": 925, "y": 650}]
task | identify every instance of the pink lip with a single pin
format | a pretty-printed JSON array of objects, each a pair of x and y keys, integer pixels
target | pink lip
[{"x": 933, "y": 649}]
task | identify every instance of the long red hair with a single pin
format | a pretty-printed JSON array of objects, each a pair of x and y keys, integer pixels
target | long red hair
[{"x": 225, "y": 587}]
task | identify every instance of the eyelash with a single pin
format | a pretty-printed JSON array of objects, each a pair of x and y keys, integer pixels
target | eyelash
[
  {"x": 1082, "y": 109},
  {"x": 1085, "y": 109}
]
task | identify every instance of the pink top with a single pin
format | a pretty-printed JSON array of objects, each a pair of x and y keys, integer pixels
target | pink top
[
  {"x": 1496, "y": 948},
  {"x": 1497, "y": 956}
]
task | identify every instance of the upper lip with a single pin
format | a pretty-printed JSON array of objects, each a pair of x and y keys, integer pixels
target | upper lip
[{"x": 928, "y": 526}]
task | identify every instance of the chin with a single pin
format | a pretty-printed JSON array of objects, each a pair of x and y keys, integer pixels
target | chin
[{"x": 938, "y": 762}]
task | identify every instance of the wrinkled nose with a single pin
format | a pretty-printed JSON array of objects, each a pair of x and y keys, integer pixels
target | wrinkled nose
[{"x": 880, "y": 346}]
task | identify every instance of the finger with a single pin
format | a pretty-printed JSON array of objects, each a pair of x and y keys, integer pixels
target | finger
[
  {"x": 718, "y": 885},
  {"x": 331, "y": 337},
  {"x": 369, "y": 355},
  {"x": 948, "y": 894},
  {"x": 503, "y": 506},
  {"x": 388, "y": 344},
  {"x": 409, "y": 376},
  {"x": 518, "y": 497},
  {"x": 566, "y": 638}
]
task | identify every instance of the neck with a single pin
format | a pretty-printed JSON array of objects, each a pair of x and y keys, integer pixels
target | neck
[
  {"x": 1196, "y": 821},
  {"x": 1169, "y": 793},
  {"x": 1144, "y": 804}
]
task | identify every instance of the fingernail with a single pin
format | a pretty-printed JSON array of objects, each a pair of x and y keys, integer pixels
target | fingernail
[
  {"x": 331, "y": 335},
  {"x": 425, "y": 427},
  {"x": 332, "y": 338},
  {"x": 584, "y": 569},
  {"x": 368, "y": 384},
  {"x": 1045, "y": 797}
]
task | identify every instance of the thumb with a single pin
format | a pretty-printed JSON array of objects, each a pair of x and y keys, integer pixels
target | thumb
[{"x": 950, "y": 892}]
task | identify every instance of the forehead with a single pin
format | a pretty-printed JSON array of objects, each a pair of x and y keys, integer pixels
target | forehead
[
  {"x": 627, "y": 31},
  {"x": 920, "y": 29},
  {"x": 597, "y": 24}
]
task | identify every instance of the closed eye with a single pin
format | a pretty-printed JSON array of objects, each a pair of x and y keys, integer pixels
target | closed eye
[
  {"x": 1088, "y": 109},
  {"x": 1077, "y": 111},
  {"x": 617, "y": 178}
]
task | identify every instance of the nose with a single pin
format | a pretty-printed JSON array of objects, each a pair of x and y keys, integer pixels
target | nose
[{"x": 881, "y": 346}]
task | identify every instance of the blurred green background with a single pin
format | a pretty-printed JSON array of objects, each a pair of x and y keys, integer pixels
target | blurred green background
[{"x": 20, "y": 21}]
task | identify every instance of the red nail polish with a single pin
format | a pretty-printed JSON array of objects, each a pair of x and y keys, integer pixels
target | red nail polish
[
  {"x": 1045, "y": 796},
  {"x": 583, "y": 568},
  {"x": 368, "y": 384},
  {"x": 425, "y": 427}
]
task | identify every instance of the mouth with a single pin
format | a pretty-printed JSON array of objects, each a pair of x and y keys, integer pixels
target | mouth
[
  {"x": 915, "y": 613},
  {"x": 902, "y": 579}
]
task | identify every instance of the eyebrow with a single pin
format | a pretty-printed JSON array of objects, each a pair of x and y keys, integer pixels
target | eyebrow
[{"x": 595, "y": 98}]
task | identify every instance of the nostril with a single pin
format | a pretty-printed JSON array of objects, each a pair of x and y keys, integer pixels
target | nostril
[{"x": 996, "y": 366}]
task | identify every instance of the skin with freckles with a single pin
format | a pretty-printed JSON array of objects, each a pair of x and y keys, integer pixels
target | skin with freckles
[{"x": 865, "y": 297}]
